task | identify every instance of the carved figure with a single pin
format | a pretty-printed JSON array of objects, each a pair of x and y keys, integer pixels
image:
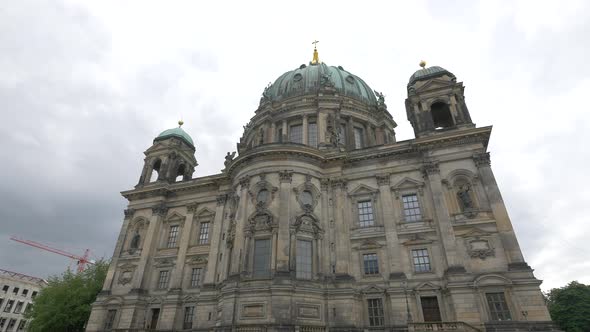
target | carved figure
[
  {"x": 326, "y": 80},
  {"x": 229, "y": 158},
  {"x": 465, "y": 197},
  {"x": 135, "y": 240},
  {"x": 380, "y": 97}
]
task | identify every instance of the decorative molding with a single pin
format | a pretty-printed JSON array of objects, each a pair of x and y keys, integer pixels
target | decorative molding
[
  {"x": 197, "y": 260},
  {"x": 383, "y": 179},
  {"x": 430, "y": 168},
  {"x": 160, "y": 210},
  {"x": 307, "y": 222},
  {"x": 339, "y": 183},
  {"x": 417, "y": 239},
  {"x": 129, "y": 213},
  {"x": 324, "y": 184},
  {"x": 126, "y": 273},
  {"x": 368, "y": 244},
  {"x": 192, "y": 208},
  {"x": 244, "y": 182},
  {"x": 482, "y": 159},
  {"x": 221, "y": 199},
  {"x": 315, "y": 195},
  {"x": 285, "y": 176},
  {"x": 407, "y": 184},
  {"x": 164, "y": 262}
]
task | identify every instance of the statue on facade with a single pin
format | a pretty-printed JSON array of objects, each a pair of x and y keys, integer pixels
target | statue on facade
[
  {"x": 135, "y": 240},
  {"x": 326, "y": 80},
  {"x": 380, "y": 97},
  {"x": 229, "y": 157},
  {"x": 465, "y": 197}
]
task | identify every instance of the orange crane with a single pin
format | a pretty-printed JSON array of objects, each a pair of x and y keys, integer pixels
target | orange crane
[{"x": 82, "y": 260}]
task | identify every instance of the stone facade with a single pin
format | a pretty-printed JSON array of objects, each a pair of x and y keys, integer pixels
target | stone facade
[
  {"x": 325, "y": 222},
  {"x": 16, "y": 297}
]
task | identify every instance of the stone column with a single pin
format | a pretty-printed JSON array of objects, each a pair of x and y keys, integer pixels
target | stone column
[
  {"x": 183, "y": 247},
  {"x": 273, "y": 133},
  {"x": 108, "y": 281},
  {"x": 505, "y": 230},
  {"x": 285, "y": 178},
  {"x": 304, "y": 131},
  {"x": 149, "y": 246},
  {"x": 325, "y": 268},
  {"x": 342, "y": 228},
  {"x": 431, "y": 172},
  {"x": 214, "y": 246},
  {"x": 285, "y": 134},
  {"x": 241, "y": 217},
  {"x": 390, "y": 226},
  {"x": 321, "y": 121}
]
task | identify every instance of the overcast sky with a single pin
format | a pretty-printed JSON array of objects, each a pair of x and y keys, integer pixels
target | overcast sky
[{"x": 86, "y": 86}]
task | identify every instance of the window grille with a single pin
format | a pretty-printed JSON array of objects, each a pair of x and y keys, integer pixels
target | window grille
[
  {"x": 365, "y": 209},
  {"x": 304, "y": 259},
  {"x": 421, "y": 260},
  {"x": 411, "y": 208},
  {"x": 172, "y": 237},
  {"x": 163, "y": 280},
  {"x": 375, "y": 307},
  {"x": 370, "y": 264},
  {"x": 204, "y": 233},
  {"x": 498, "y": 306}
]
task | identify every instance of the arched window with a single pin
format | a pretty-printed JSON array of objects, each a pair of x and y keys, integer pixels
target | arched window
[
  {"x": 156, "y": 170},
  {"x": 441, "y": 115},
  {"x": 180, "y": 172}
]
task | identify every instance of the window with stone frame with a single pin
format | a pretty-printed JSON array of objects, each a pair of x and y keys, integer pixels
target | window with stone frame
[
  {"x": 376, "y": 316},
  {"x": 312, "y": 134},
  {"x": 262, "y": 251},
  {"x": 411, "y": 206},
  {"x": 9, "y": 305},
  {"x": 365, "y": 213},
  {"x": 421, "y": 260},
  {"x": 204, "y": 233},
  {"x": 1, "y": 302},
  {"x": 21, "y": 325},
  {"x": 196, "y": 276},
  {"x": 370, "y": 264},
  {"x": 11, "y": 324},
  {"x": 189, "y": 314},
  {"x": 172, "y": 237},
  {"x": 2, "y": 322},
  {"x": 498, "y": 307},
  {"x": 358, "y": 138},
  {"x": 25, "y": 292},
  {"x": 18, "y": 307},
  {"x": 296, "y": 134},
  {"x": 304, "y": 259},
  {"x": 163, "y": 279},
  {"x": 110, "y": 319}
]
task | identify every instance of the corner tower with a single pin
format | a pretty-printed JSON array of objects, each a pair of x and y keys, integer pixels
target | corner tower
[{"x": 436, "y": 102}]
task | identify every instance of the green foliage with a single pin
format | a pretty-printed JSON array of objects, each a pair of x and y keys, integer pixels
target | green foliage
[
  {"x": 569, "y": 307},
  {"x": 64, "y": 304}
]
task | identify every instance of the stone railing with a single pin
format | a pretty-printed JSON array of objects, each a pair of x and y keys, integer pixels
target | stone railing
[{"x": 442, "y": 326}]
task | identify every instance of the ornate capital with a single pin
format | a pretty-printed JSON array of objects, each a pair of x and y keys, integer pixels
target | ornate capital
[
  {"x": 324, "y": 184},
  {"x": 339, "y": 183},
  {"x": 245, "y": 182},
  {"x": 383, "y": 179},
  {"x": 482, "y": 159},
  {"x": 430, "y": 168},
  {"x": 129, "y": 213},
  {"x": 160, "y": 210},
  {"x": 192, "y": 208},
  {"x": 286, "y": 176},
  {"x": 221, "y": 199}
]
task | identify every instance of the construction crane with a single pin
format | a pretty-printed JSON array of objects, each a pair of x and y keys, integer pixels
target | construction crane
[{"x": 82, "y": 260}]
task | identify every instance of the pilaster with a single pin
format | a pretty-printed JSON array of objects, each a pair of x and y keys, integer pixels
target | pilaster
[
  {"x": 342, "y": 228},
  {"x": 183, "y": 247},
  {"x": 215, "y": 241},
  {"x": 149, "y": 245},
  {"x": 282, "y": 262},
  {"x": 393, "y": 246},
  {"x": 237, "y": 253},
  {"x": 304, "y": 131},
  {"x": 108, "y": 282}
]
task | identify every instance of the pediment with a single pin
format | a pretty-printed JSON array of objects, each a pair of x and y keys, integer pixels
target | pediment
[
  {"x": 369, "y": 244},
  {"x": 205, "y": 213},
  {"x": 189, "y": 298},
  {"x": 427, "y": 286},
  {"x": 407, "y": 183},
  {"x": 165, "y": 262},
  {"x": 197, "y": 260},
  {"x": 475, "y": 233},
  {"x": 491, "y": 280},
  {"x": 417, "y": 239},
  {"x": 373, "y": 290},
  {"x": 114, "y": 300},
  {"x": 363, "y": 189},
  {"x": 127, "y": 266},
  {"x": 175, "y": 216},
  {"x": 155, "y": 299},
  {"x": 435, "y": 83}
]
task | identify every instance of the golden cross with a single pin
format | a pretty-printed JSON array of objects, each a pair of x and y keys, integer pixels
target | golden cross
[{"x": 315, "y": 43}]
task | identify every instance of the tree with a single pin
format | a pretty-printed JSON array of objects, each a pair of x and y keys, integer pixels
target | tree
[
  {"x": 569, "y": 306},
  {"x": 64, "y": 304}
]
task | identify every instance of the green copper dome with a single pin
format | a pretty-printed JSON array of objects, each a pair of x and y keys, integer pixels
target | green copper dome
[
  {"x": 178, "y": 133},
  {"x": 428, "y": 73},
  {"x": 310, "y": 79}
]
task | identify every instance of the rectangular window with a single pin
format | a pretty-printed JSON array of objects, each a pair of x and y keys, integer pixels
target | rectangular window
[
  {"x": 11, "y": 325},
  {"x": 5, "y": 288},
  {"x": 204, "y": 233},
  {"x": 15, "y": 290},
  {"x": 430, "y": 309},
  {"x": 9, "y": 305},
  {"x": 189, "y": 313},
  {"x": 163, "y": 280},
  {"x": 25, "y": 292},
  {"x": 2, "y": 323},
  {"x": 498, "y": 307},
  {"x": 1, "y": 302},
  {"x": 21, "y": 325},
  {"x": 34, "y": 294},
  {"x": 262, "y": 258},
  {"x": 312, "y": 135},
  {"x": 304, "y": 259},
  {"x": 375, "y": 312},
  {"x": 370, "y": 264},
  {"x": 358, "y": 138},
  {"x": 296, "y": 134},
  {"x": 172, "y": 237},
  {"x": 110, "y": 319},
  {"x": 28, "y": 307},
  {"x": 196, "y": 277},
  {"x": 19, "y": 307},
  {"x": 411, "y": 208},
  {"x": 342, "y": 136},
  {"x": 421, "y": 260},
  {"x": 366, "y": 218}
]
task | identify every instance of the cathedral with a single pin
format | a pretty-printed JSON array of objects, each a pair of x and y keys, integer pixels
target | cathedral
[{"x": 323, "y": 221}]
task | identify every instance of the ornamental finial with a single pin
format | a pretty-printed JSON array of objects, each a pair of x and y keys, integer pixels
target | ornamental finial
[
  {"x": 316, "y": 58},
  {"x": 180, "y": 123},
  {"x": 423, "y": 64}
]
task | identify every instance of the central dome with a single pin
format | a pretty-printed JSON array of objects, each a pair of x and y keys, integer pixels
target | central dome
[{"x": 311, "y": 79}]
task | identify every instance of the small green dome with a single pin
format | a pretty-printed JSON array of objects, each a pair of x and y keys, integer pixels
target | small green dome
[
  {"x": 428, "y": 73},
  {"x": 178, "y": 133},
  {"x": 310, "y": 79}
]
